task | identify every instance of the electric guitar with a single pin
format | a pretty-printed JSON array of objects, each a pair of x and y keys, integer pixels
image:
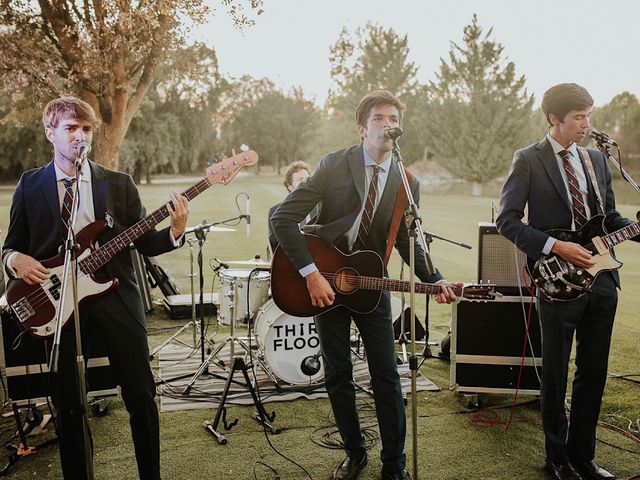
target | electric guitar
[
  {"x": 559, "y": 280},
  {"x": 35, "y": 307},
  {"x": 357, "y": 280}
]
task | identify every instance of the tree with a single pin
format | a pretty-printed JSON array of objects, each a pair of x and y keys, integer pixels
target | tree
[
  {"x": 108, "y": 53},
  {"x": 277, "y": 126},
  {"x": 368, "y": 59},
  {"x": 620, "y": 118},
  {"x": 479, "y": 112}
]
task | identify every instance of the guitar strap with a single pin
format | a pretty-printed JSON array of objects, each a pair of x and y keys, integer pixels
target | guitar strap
[
  {"x": 396, "y": 218},
  {"x": 586, "y": 158}
]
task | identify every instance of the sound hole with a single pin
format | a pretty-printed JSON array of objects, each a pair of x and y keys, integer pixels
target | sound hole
[{"x": 346, "y": 280}]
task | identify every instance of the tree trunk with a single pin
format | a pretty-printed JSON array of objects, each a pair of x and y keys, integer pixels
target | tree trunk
[
  {"x": 476, "y": 189},
  {"x": 108, "y": 142},
  {"x": 148, "y": 174}
]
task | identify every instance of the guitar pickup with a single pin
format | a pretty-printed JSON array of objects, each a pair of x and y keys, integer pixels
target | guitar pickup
[
  {"x": 23, "y": 310},
  {"x": 54, "y": 289},
  {"x": 600, "y": 246}
]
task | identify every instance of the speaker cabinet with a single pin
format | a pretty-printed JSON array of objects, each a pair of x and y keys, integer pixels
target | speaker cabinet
[
  {"x": 499, "y": 261},
  {"x": 487, "y": 345},
  {"x": 25, "y": 366}
]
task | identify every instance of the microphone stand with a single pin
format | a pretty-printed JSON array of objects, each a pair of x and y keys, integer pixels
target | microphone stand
[
  {"x": 70, "y": 269},
  {"x": 604, "y": 148},
  {"x": 413, "y": 224}
]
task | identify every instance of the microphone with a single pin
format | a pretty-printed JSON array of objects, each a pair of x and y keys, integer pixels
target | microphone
[
  {"x": 600, "y": 137},
  {"x": 248, "y": 216},
  {"x": 83, "y": 150},
  {"x": 220, "y": 264},
  {"x": 311, "y": 365},
  {"x": 391, "y": 133}
]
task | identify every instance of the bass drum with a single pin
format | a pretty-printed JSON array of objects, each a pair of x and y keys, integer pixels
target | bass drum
[{"x": 285, "y": 342}]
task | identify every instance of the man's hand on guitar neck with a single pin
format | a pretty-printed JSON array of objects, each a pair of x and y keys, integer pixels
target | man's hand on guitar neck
[
  {"x": 573, "y": 253},
  {"x": 321, "y": 293},
  {"x": 29, "y": 269}
]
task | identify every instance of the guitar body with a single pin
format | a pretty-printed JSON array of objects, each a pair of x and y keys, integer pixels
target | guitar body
[
  {"x": 289, "y": 288},
  {"x": 559, "y": 280},
  {"x": 35, "y": 307}
]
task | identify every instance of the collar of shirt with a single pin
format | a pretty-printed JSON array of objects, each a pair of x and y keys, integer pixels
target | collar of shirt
[
  {"x": 557, "y": 148},
  {"x": 85, "y": 177},
  {"x": 369, "y": 161}
]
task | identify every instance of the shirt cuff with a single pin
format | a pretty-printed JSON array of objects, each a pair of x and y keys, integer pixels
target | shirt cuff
[
  {"x": 8, "y": 266},
  {"x": 441, "y": 281},
  {"x": 308, "y": 270},
  {"x": 175, "y": 242},
  {"x": 546, "y": 250}
]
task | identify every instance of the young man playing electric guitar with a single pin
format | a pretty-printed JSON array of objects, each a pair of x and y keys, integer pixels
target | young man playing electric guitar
[
  {"x": 357, "y": 187},
  {"x": 564, "y": 185}
]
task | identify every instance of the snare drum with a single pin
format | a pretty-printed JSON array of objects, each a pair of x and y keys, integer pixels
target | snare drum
[
  {"x": 285, "y": 342},
  {"x": 234, "y": 288}
]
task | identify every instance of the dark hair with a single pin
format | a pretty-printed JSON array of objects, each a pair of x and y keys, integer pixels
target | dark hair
[
  {"x": 292, "y": 169},
  {"x": 374, "y": 99},
  {"x": 67, "y": 106},
  {"x": 563, "y": 98}
]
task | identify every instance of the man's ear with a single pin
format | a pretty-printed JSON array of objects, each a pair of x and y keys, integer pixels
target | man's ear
[
  {"x": 362, "y": 131},
  {"x": 48, "y": 131},
  {"x": 553, "y": 119}
]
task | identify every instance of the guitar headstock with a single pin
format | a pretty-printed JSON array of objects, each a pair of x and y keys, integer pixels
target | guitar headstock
[
  {"x": 481, "y": 291},
  {"x": 226, "y": 170}
]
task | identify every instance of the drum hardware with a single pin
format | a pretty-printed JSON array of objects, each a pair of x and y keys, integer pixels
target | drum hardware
[
  {"x": 238, "y": 364},
  {"x": 253, "y": 262},
  {"x": 235, "y": 279}
]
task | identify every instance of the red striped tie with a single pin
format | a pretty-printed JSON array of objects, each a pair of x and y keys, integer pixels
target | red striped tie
[
  {"x": 367, "y": 214},
  {"x": 577, "y": 200},
  {"x": 65, "y": 214}
]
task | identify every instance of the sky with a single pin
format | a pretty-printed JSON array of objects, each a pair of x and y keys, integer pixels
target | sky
[{"x": 591, "y": 42}]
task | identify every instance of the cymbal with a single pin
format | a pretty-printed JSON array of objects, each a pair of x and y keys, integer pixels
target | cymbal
[
  {"x": 254, "y": 262},
  {"x": 210, "y": 228}
]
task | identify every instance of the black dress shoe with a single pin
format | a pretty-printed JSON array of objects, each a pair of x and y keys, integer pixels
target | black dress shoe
[
  {"x": 562, "y": 471},
  {"x": 349, "y": 469},
  {"x": 590, "y": 470},
  {"x": 403, "y": 475}
]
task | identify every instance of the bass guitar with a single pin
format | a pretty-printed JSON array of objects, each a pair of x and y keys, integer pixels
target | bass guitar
[
  {"x": 357, "y": 280},
  {"x": 35, "y": 307},
  {"x": 559, "y": 280}
]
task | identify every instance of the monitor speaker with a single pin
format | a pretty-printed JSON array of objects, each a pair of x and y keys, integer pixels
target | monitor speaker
[{"x": 499, "y": 261}]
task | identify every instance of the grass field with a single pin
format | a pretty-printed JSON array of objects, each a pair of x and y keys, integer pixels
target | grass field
[{"x": 450, "y": 447}]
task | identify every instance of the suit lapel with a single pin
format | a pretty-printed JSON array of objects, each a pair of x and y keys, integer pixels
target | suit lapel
[
  {"x": 99, "y": 190},
  {"x": 50, "y": 188},
  {"x": 356, "y": 164},
  {"x": 548, "y": 160}
]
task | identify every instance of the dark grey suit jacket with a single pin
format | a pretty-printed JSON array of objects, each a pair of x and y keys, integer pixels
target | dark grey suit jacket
[
  {"x": 339, "y": 184},
  {"x": 35, "y": 227},
  {"x": 535, "y": 179}
]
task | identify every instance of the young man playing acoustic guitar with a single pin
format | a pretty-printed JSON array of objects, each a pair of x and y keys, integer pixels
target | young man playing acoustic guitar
[
  {"x": 345, "y": 181},
  {"x": 555, "y": 178},
  {"x": 36, "y": 231}
]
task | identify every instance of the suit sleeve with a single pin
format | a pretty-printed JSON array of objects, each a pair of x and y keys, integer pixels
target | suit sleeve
[
  {"x": 402, "y": 244},
  {"x": 153, "y": 242},
  {"x": 514, "y": 198},
  {"x": 17, "y": 239},
  {"x": 294, "y": 209}
]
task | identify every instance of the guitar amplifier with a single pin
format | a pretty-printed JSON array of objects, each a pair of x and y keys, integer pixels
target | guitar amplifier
[
  {"x": 499, "y": 261},
  {"x": 487, "y": 344},
  {"x": 25, "y": 366}
]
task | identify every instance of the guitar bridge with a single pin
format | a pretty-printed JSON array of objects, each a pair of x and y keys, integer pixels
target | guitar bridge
[
  {"x": 551, "y": 269},
  {"x": 23, "y": 310}
]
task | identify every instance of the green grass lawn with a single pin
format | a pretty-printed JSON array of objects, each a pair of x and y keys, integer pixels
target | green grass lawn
[{"x": 450, "y": 447}]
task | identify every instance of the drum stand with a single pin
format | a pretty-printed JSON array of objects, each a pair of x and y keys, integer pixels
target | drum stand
[
  {"x": 193, "y": 322},
  {"x": 231, "y": 340}
]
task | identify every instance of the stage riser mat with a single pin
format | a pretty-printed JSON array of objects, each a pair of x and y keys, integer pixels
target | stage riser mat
[{"x": 175, "y": 361}]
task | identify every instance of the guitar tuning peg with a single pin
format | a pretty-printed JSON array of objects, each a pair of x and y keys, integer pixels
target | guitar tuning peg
[
  {"x": 211, "y": 161},
  {"x": 233, "y": 152},
  {"x": 245, "y": 148}
]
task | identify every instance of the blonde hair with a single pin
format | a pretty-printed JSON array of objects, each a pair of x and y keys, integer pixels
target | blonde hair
[{"x": 68, "y": 107}]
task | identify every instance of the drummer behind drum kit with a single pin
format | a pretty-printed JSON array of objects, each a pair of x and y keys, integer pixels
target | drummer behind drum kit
[{"x": 288, "y": 347}]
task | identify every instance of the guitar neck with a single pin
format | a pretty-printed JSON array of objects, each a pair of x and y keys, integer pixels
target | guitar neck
[
  {"x": 619, "y": 236},
  {"x": 103, "y": 254},
  {"x": 378, "y": 283}
]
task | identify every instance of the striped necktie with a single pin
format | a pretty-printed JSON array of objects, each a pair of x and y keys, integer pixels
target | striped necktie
[
  {"x": 577, "y": 199},
  {"x": 65, "y": 214},
  {"x": 367, "y": 214}
]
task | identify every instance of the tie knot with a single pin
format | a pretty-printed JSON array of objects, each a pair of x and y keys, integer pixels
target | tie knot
[
  {"x": 376, "y": 170},
  {"x": 68, "y": 182},
  {"x": 564, "y": 154}
]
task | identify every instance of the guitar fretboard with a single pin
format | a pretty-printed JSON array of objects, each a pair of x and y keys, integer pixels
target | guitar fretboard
[{"x": 619, "y": 236}]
